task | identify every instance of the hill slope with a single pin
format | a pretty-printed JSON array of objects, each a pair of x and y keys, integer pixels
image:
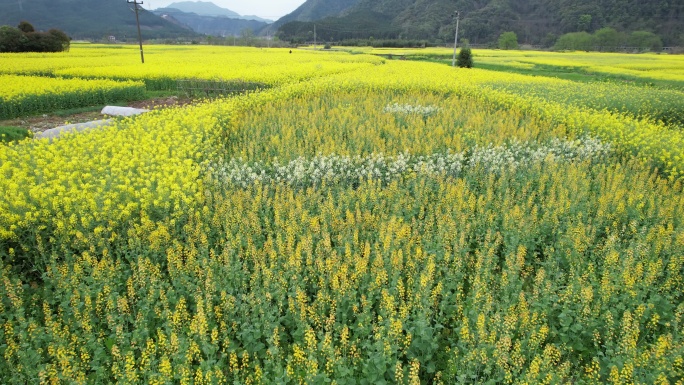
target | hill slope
[
  {"x": 203, "y": 8},
  {"x": 484, "y": 20},
  {"x": 211, "y": 25},
  {"x": 314, "y": 10},
  {"x": 92, "y": 19}
]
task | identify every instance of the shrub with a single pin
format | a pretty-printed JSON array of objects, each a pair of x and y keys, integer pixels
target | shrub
[
  {"x": 576, "y": 41},
  {"x": 608, "y": 39},
  {"x": 465, "y": 58},
  {"x": 644, "y": 40},
  {"x": 508, "y": 40}
]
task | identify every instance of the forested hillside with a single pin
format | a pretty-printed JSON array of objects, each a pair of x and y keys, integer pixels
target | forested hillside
[
  {"x": 314, "y": 10},
  {"x": 90, "y": 19},
  {"x": 482, "y": 21}
]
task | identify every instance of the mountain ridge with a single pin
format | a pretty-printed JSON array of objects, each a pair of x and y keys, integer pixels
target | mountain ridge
[
  {"x": 313, "y": 10},
  {"x": 95, "y": 19},
  {"x": 482, "y": 21},
  {"x": 206, "y": 8},
  {"x": 211, "y": 25}
]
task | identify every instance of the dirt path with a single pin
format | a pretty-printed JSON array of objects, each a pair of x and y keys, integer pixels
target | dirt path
[{"x": 40, "y": 123}]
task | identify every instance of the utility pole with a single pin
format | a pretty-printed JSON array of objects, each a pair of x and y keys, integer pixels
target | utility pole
[
  {"x": 314, "y": 37},
  {"x": 137, "y": 19},
  {"x": 458, "y": 17}
]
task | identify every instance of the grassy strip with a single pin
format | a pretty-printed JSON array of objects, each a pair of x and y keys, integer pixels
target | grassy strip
[
  {"x": 577, "y": 74},
  {"x": 582, "y": 75},
  {"x": 11, "y": 134}
]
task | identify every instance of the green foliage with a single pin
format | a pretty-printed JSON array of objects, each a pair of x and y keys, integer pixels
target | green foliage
[
  {"x": 13, "y": 134},
  {"x": 24, "y": 39},
  {"x": 508, "y": 40},
  {"x": 584, "y": 23},
  {"x": 465, "y": 58},
  {"x": 575, "y": 41},
  {"x": 12, "y": 39},
  {"x": 608, "y": 39},
  {"x": 26, "y": 27},
  {"x": 644, "y": 41}
]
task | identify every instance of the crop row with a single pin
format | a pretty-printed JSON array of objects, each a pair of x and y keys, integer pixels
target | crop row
[
  {"x": 164, "y": 66},
  {"x": 28, "y": 95}
]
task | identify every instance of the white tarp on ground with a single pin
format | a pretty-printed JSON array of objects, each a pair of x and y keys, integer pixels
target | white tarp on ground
[
  {"x": 122, "y": 111},
  {"x": 57, "y": 131},
  {"x": 108, "y": 110}
]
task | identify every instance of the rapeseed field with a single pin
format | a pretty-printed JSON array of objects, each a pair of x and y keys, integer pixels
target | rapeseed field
[{"x": 358, "y": 221}]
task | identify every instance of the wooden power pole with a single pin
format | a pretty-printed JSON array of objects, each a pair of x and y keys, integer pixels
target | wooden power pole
[
  {"x": 458, "y": 17},
  {"x": 137, "y": 19}
]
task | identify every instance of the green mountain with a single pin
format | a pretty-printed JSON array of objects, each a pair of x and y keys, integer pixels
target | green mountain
[
  {"x": 93, "y": 19},
  {"x": 313, "y": 10},
  {"x": 482, "y": 21}
]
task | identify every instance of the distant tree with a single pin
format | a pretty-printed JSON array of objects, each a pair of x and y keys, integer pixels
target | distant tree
[
  {"x": 608, "y": 39},
  {"x": 12, "y": 39},
  {"x": 549, "y": 40},
  {"x": 584, "y": 23},
  {"x": 18, "y": 40},
  {"x": 62, "y": 42},
  {"x": 465, "y": 58},
  {"x": 26, "y": 27},
  {"x": 575, "y": 41},
  {"x": 644, "y": 40},
  {"x": 508, "y": 40}
]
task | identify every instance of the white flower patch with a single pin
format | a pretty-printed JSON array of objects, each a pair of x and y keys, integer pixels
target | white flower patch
[
  {"x": 333, "y": 168},
  {"x": 408, "y": 109},
  {"x": 517, "y": 154}
]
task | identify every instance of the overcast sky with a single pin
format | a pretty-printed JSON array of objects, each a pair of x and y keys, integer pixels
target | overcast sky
[{"x": 268, "y": 9}]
